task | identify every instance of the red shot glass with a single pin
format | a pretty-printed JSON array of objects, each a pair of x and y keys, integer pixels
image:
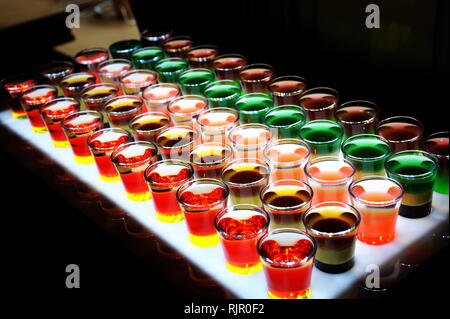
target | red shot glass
[
  {"x": 15, "y": 85},
  {"x": 33, "y": 99}
]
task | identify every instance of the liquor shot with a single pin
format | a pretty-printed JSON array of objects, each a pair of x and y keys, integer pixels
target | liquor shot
[
  {"x": 123, "y": 49},
  {"x": 170, "y": 69},
  {"x": 228, "y": 66},
  {"x": 155, "y": 38},
  {"x": 320, "y": 103},
  {"x": 112, "y": 70},
  {"x": 134, "y": 82},
  {"x": 73, "y": 84},
  {"x": 194, "y": 81},
  {"x": 249, "y": 140},
  {"x": 178, "y": 46},
  {"x": 256, "y": 77},
  {"x": 215, "y": 124},
  {"x": 222, "y": 93},
  {"x": 95, "y": 96},
  {"x": 88, "y": 60},
  {"x": 208, "y": 159},
  {"x": 286, "y": 90},
  {"x": 357, "y": 117},
  {"x": 146, "y": 58},
  {"x": 403, "y": 132},
  {"x": 177, "y": 142},
  {"x": 122, "y": 109},
  {"x": 54, "y": 72},
  {"x": 185, "y": 109},
  {"x": 253, "y": 107},
  {"x": 202, "y": 56},
  {"x": 147, "y": 126},
  {"x": 15, "y": 85},
  {"x": 32, "y": 100},
  {"x": 324, "y": 137},
  {"x": 437, "y": 144},
  {"x": 158, "y": 96},
  {"x": 286, "y": 120}
]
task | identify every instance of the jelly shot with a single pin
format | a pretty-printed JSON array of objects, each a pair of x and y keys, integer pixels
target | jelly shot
[
  {"x": 416, "y": 172},
  {"x": 215, "y": 124},
  {"x": 164, "y": 178},
  {"x": 286, "y": 120},
  {"x": 222, "y": 93},
  {"x": 228, "y": 66},
  {"x": 286, "y": 90},
  {"x": 185, "y": 109},
  {"x": 437, "y": 144},
  {"x": 178, "y": 46},
  {"x": 240, "y": 227},
  {"x": 378, "y": 201},
  {"x": 249, "y": 140},
  {"x": 15, "y": 85},
  {"x": 288, "y": 258},
  {"x": 177, "y": 142},
  {"x": 32, "y": 100},
  {"x": 53, "y": 113},
  {"x": 147, "y": 126},
  {"x": 131, "y": 159},
  {"x": 122, "y": 109},
  {"x": 123, "y": 49},
  {"x": 253, "y": 107},
  {"x": 256, "y": 77},
  {"x": 201, "y": 200},
  {"x": 357, "y": 117},
  {"x": 246, "y": 178},
  {"x": 158, "y": 96},
  {"x": 330, "y": 177},
  {"x": 146, "y": 58},
  {"x": 194, "y": 81},
  {"x": 334, "y": 226},
  {"x": 169, "y": 69},
  {"x": 102, "y": 143},
  {"x": 403, "y": 132},
  {"x": 134, "y": 82},
  {"x": 202, "y": 56},
  {"x": 78, "y": 127},
  {"x": 286, "y": 200},
  {"x": 320, "y": 103},
  {"x": 208, "y": 159},
  {"x": 324, "y": 137},
  {"x": 367, "y": 152}
]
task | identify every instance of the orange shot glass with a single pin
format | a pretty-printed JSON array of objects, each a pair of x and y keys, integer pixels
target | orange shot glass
[
  {"x": 185, "y": 109},
  {"x": 158, "y": 96},
  {"x": 215, "y": 124},
  {"x": 134, "y": 82}
]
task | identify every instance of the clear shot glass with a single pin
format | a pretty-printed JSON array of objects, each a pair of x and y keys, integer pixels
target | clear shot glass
[
  {"x": 194, "y": 81},
  {"x": 249, "y": 140},
  {"x": 288, "y": 258},
  {"x": 256, "y": 77},
  {"x": 228, "y": 66},
  {"x": 377, "y": 199},
  {"x": 246, "y": 177},
  {"x": 124, "y": 49},
  {"x": 286, "y": 90},
  {"x": 146, "y": 58},
  {"x": 131, "y": 159},
  {"x": 102, "y": 143},
  {"x": 15, "y": 85},
  {"x": 240, "y": 227},
  {"x": 202, "y": 56},
  {"x": 158, "y": 96},
  {"x": 147, "y": 126},
  {"x": 201, "y": 200},
  {"x": 88, "y": 60},
  {"x": 185, "y": 109},
  {"x": 320, "y": 103},
  {"x": 287, "y": 158},
  {"x": 357, "y": 117},
  {"x": 324, "y": 137},
  {"x": 164, "y": 178},
  {"x": 286, "y": 120},
  {"x": 215, "y": 124},
  {"x": 178, "y": 46},
  {"x": 95, "y": 96},
  {"x": 208, "y": 159},
  {"x": 334, "y": 226},
  {"x": 253, "y": 107},
  {"x": 112, "y": 70},
  {"x": 285, "y": 201},
  {"x": 222, "y": 93},
  {"x": 416, "y": 171},
  {"x": 33, "y": 99},
  {"x": 73, "y": 84},
  {"x": 367, "y": 152},
  {"x": 170, "y": 69},
  {"x": 122, "y": 109},
  {"x": 329, "y": 177},
  {"x": 437, "y": 144},
  {"x": 403, "y": 132},
  {"x": 134, "y": 82},
  {"x": 177, "y": 142},
  {"x": 54, "y": 71}
]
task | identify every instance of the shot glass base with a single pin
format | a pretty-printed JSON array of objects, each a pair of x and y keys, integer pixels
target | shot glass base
[
  {"x": 141, "y": 197},
  {"x": 109, "y": 179},
  {"x": 302, "y": 294},
  {"x": 381, "y": 240},
  {"x": 85, "y": 160},
  {"x": 61, "y": 144},
  {"x": 176, "y": 218},
  {"x": 251, "y": 269},
  {"x": 39, "y": 129},
  {"x": 204, "y": 241},
  {"x": 20, "y": 116},
  {"x": 334, "y": 269}
]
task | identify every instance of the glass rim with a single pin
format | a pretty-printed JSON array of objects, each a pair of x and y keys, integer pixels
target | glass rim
[
  {"x": 187, "y": 97},
  {"x": 53, "y": 75},
  {"x": 159, "y": 85},
  {"x": 366, "y": 159},
  {"x": 287, "y": 78},
  {"x": 177, "y": 38},
  {"x": 99, "y": 99},
  {"x": 205, "y": 181},
  {"x": 218, "y": 109},
  {"x": 331, "y": 204},
  {"x": 287, "y": 141},
  {"x": 202, "y": 58},
  {"x": 371, "y": 202},
  {"x": 413, "y": 152},
  {"x": 349, "y": 103},
  {"x": 59, "y": 99},
  {"x": 230, "y": 55},
  {"x": 247, "y": 207},
  {"x": 337, "y": 138},
  {"x": 135, "y": 85},
  {"x": 196, "y": 70},
  {"x": 110, "y": 74},
  {"x": 121, "y": 147},
  {"x": 88, "y": 50},
  {"x": 107, "y": 129},
  {"x": 187, "y": 127},
  {"x": 246, "y": 160},
  {"x": 285, "y": 106},
  {"x": 254, "y": 94},
  {"x": 292, "y": 181},
  {"x": 79, "y": 113},
  {"x": 412, "y": 119},
  {"x": 38, "y": 87},
  {"x": 140, "y": 116},
  {"x": 308, "y": 91},
  {"x": 334, "y": 159},
  {"x": 122, "y": 113},
  {"x": 257, "y": 66},
  {"x": 435, "y": 135},
  {"x": 291, "y": 264},
  {"x": 178, "y": 162},
  {"x": 224, "y": 146},
  {"x": 249, "y": 125}
]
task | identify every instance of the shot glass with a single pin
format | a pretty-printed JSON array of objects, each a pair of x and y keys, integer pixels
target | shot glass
[
  {"x": 88, "y": 59},
  {"x": 155, "y": 37},
  {"x": 102, "y": 143},
  {"x": 367, "y": 152},
  {"x": 124, "y": 49},
  {"x": 78, "y": 127},
  {"x": 147, "y": 126},
  {"x": 228, "y": 66},
  {"x": 178, "y": 46},
  {"x": 208, "y": 159},
  {"x": 249, "y": 140},
  {"x": 323, "y": 136},
  {"x": 286, "y": 90},
  {"x": 201, "y": 200},
  {"x": 286, "y": 120},
  {"x": 222, "y": 93},
  {"x": 330, "y": 177},
  {"x": 288, "y": 258},
  {"x": 185, "y": 109},
  {"x": 253, "y": 107},
  {"x": 357, "y": 117},
  {"x": 33, "y": 99},
  {"x": 256, "y": 77},
  {"x": 240, "y": 227},
  {"x": 177, "y": 142},
  {"x": 246, "y": 177},
  {"x": 54, "y": 72},
  {"x": 334, "y": 226},
  {"x": 285, "y": 201},
  {"x": 73, "y": 84},
  {"x": 403, "y": 132},
  {"x": 112, "y": 70},
  {"x": 287, "y": 158},
  {"x": 320, "y": 103},
  {"x": 134, "y": 82},
  {"x": 15, "y": 85},
  {"x": 377, "y": 199},
  {"x": 170, "y": 69},
  {"x": 158, "y": 96},
  {"x": 194, "y": 81},
  {"x": 164, "y": 178},
  {"x": 53, "y": 113},
  {"x": 202, "y": 56},
  {"x": 122, "y": 109},
  {"x": 215, "y": 124},
  {"x": 146, "y": 58},
  {"x": 416, "y": 172},
  {"x": 95, "y": 96},
  {"x": 131, "y": 159},
  {"x": 437, "y": 144}
]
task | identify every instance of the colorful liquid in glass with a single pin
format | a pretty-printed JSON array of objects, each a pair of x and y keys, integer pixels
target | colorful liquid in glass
[
  {"x": 146, "y": 58},
  {"x": 15, "y": 85},
  {"x": 122, "y": 109},
  {"x": 216, "y": 123},
  {"x": 74, "y": 83},
  {"x": 256, "y": 78},
  {"x": 438, "y": 145},
  {"x": 249, "y": 140},
  {"x": 90, "y": 58},
  {"x": 194, "y": 81},
  {"x": 357, "y": 119},
  {"x": 202, "y": 56},
  {"x": 185, "y": 109},
  {"x": 208, "y": 159},
  {"x": 112, "y": 70},
  {"x": 286, "y": 90},
  {"x": 124, "y": 49},
  {"x": 147, "y": 126},
  {"x": 404, "y": 133},
  {"x": 176, "y": 142},
  {"x": 96, "y": 95},
  {"x": 170, "y": 69},
  {"x": 158, "y": 96},
  {"x": 227, "y": 67},
  {"x": 319, "y": 105},
  {"x": 253, "y": 107},
  {"x": 324, "y": 137},
  {"x": 223, "y": 93},
  {"x": 32, "y": 100},
  {"x": 286, "y": 120},
  {"x": 178, "y": 46},
  {"x": 134, "y": 82},
  {"x": 151, "y": 38}
]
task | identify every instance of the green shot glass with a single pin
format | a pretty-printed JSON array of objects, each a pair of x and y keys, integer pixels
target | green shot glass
[
  {"x": 170, "y": 69},
  {"x": 194, "y": 81},
  {"x": 146, "y": 58},
  {"x": 367, "y": 152},
  {"x": 222, "y": 93},
  {"x": 253, "y": 107},
  {"x": 123, "y": 49},
  {"x": 437, "y": 144},
  {"x": 286, "y": 120},
  {"x": 324, "y": 137},
  {"x": 416, "y": 171}
]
